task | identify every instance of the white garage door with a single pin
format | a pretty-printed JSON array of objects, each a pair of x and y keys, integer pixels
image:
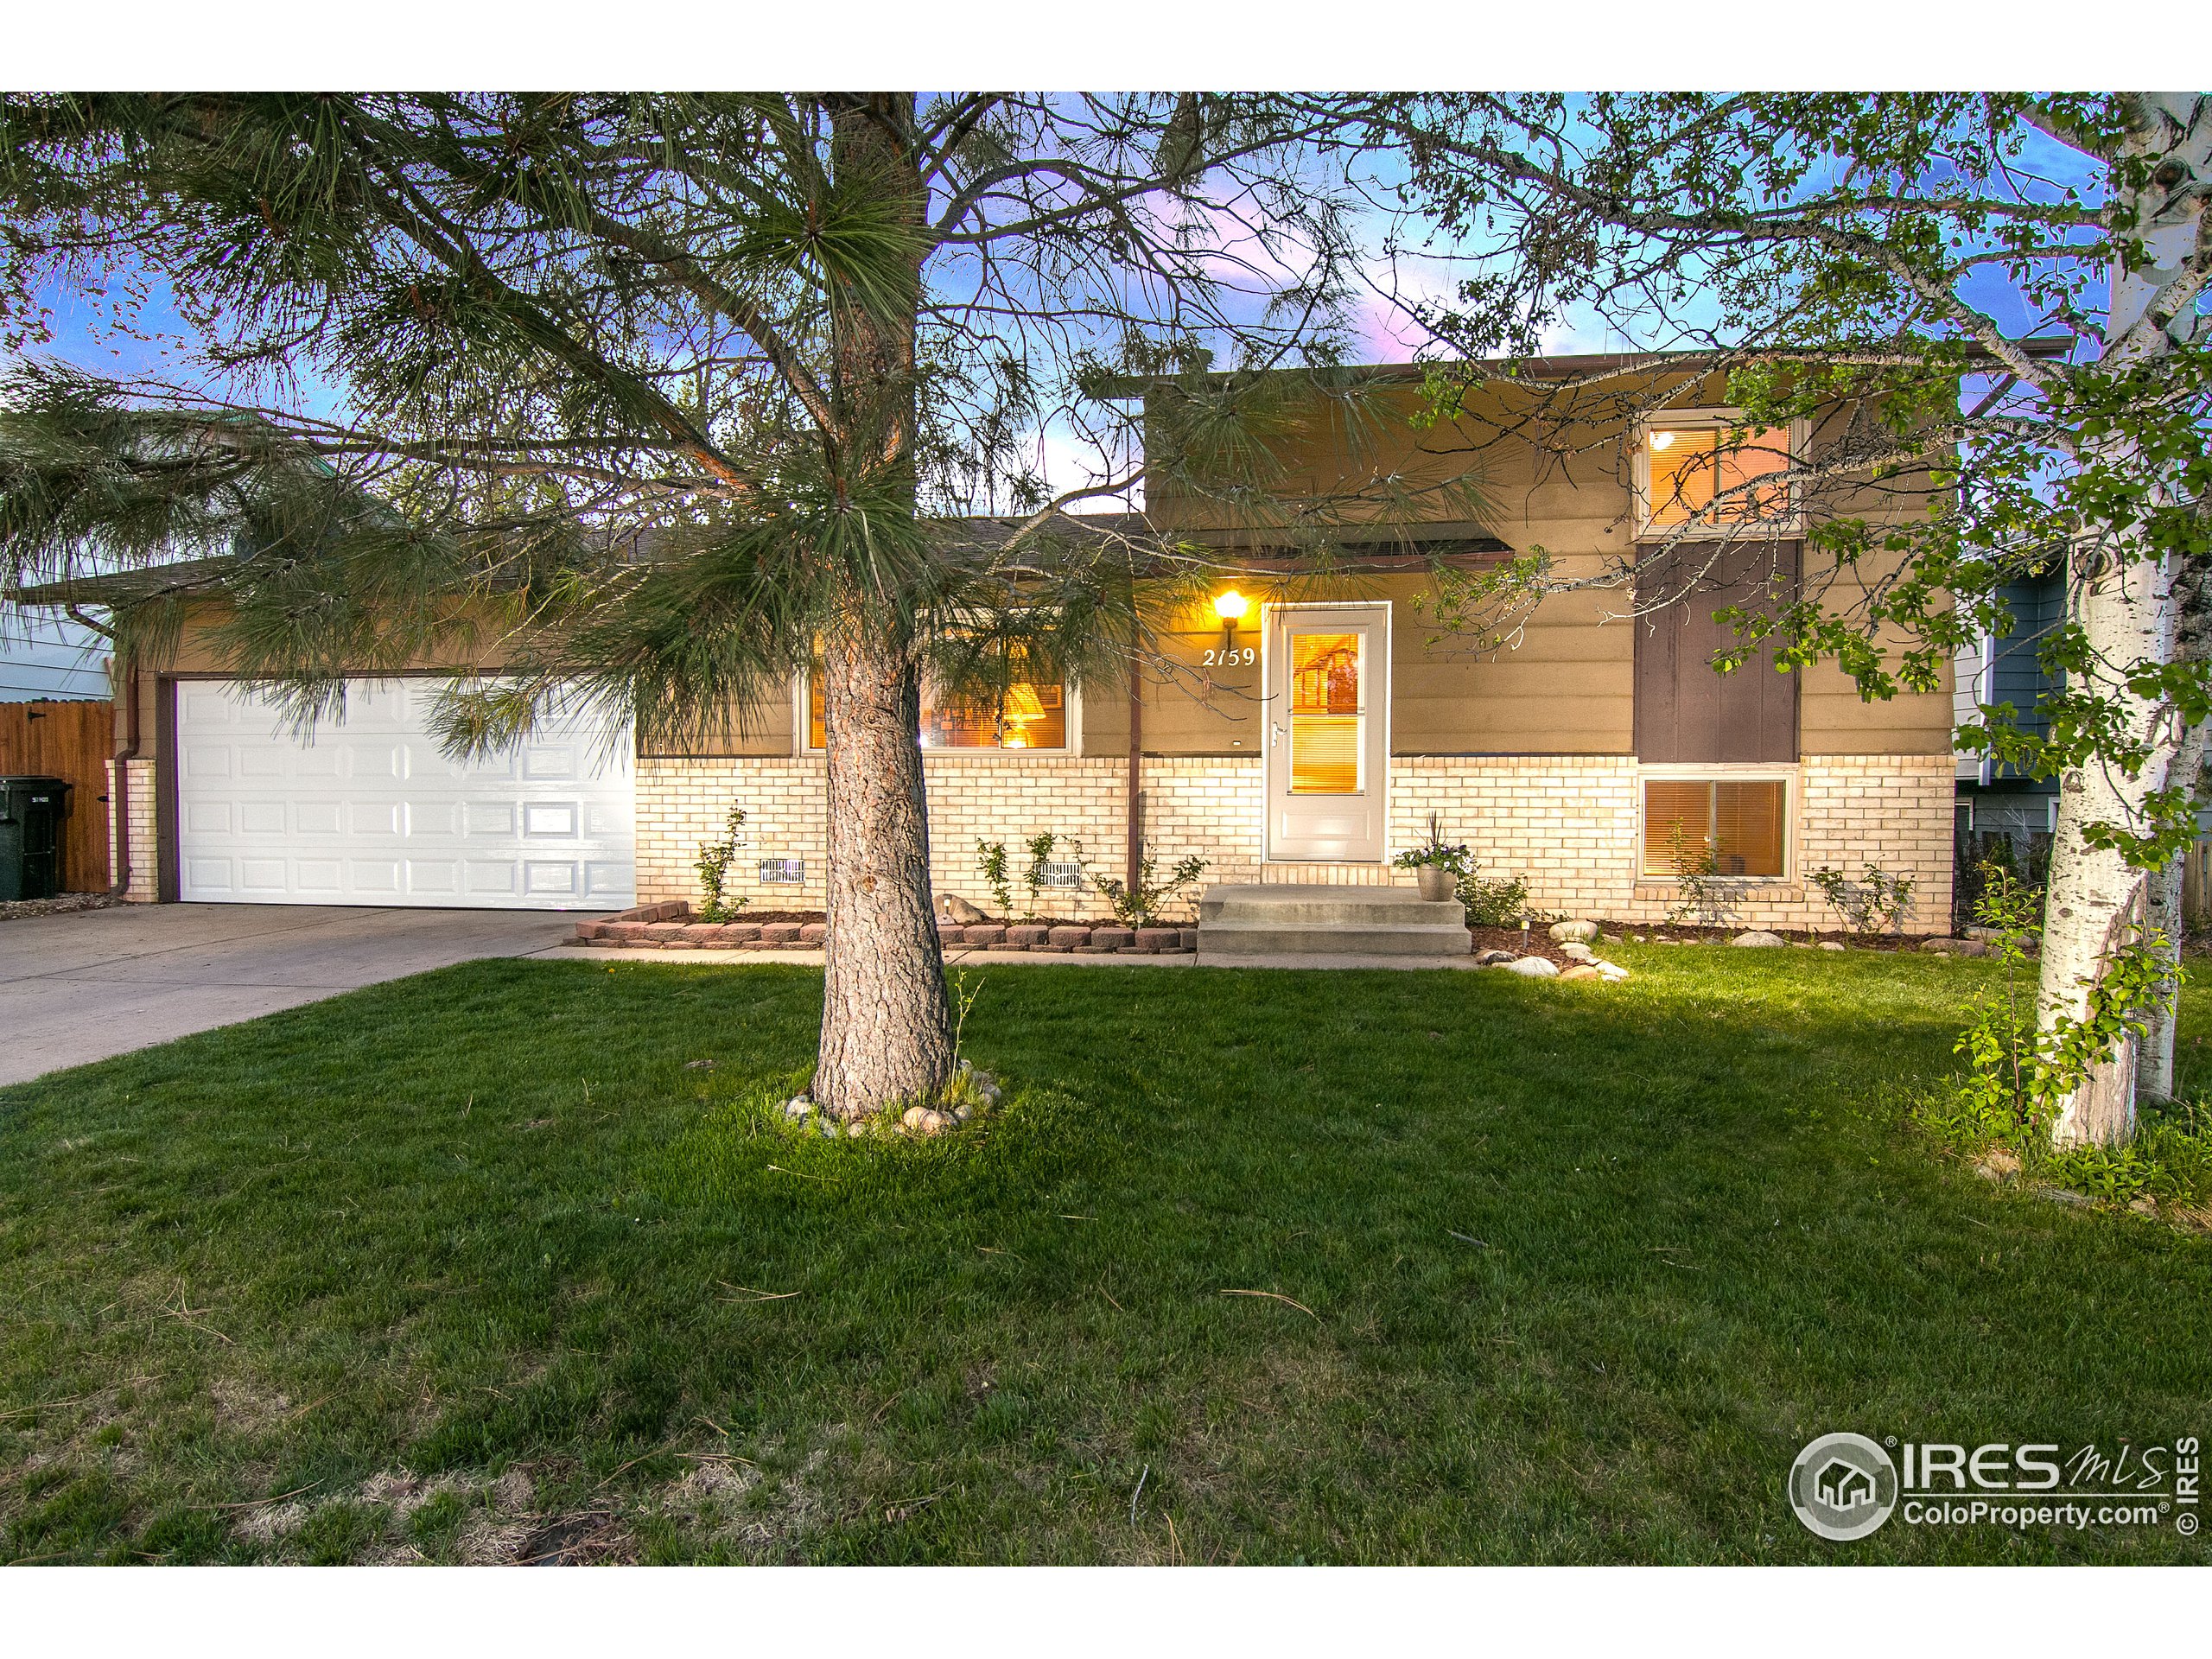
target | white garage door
[{"x": 367, "y": 812}]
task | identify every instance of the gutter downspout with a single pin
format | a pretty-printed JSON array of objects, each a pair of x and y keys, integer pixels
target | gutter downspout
[
  {"x": 126, "y": 753},
  {"x": 1136, "y": 780}
]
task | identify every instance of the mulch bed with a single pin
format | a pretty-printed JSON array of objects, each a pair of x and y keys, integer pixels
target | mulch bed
[{"x": 67, "y": 904}]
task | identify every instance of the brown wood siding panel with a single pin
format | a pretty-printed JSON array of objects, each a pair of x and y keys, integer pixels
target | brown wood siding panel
[
  {"x": 73, "y": 742},
  {"x": 1687, "y": 714}
]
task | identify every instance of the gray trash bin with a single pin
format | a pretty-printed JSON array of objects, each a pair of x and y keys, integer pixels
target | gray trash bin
[{"x": 31, "y": 812}]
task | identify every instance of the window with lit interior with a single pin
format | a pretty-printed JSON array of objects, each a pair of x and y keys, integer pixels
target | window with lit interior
[
  {"x": 1705, "y": 474},
  {"x": 1032, "y": 715},
  {"x": 1744, "y": 821}
]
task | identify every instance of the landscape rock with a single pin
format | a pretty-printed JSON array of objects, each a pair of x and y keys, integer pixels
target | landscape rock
[
  {"x": 1494, "y": 958},
  {"x": 911, "y": 1118},
  {"x": 1579, "y": 970},
  {"x": 954, "y": 908},
  {"x": 1759, "y": 939},
  {"x": 1577, "y": 952},
  {"x": 1579, "y": 932},
  {"x": 1830, "y": 945},
  {"x": 1611, "y": 972},
  {"x": 798, "y": 1107},
  {"x": 1996, "y": 1163},
  {"x": 1532, "y": 968},
  {"x": 1956, "y": 947},
  {"x": 2142, "y": 1204}
]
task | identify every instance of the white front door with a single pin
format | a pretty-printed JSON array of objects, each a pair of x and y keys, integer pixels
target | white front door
[
  {"x": 1328, "y": 732},
  {"x": 367, "y": 810}
]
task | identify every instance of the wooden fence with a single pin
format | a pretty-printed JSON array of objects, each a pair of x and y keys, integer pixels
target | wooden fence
[
  {"x": 75, "y": 742},
  {"x": 2196, "y": 886}
]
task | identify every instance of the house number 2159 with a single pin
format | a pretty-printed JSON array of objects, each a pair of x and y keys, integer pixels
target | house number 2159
[{"x": 1232, "y": 656}]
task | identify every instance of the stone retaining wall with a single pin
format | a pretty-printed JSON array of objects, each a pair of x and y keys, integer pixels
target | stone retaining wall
[{"x": 668, "y": 926}]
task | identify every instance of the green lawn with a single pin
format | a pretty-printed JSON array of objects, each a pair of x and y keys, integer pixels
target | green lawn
[{"x": 470, "y": 1266}]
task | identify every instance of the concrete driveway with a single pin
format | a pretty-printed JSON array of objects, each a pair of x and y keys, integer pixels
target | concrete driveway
[{"x": 81, "y": 987}]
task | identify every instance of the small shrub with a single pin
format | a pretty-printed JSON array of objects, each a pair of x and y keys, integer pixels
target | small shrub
[
  {"x": 2017, "y": 1076},
  {"x": 1697, "y": 879},
  {"x": 713, "y": 866},
  {"x": 1141, "y": 907},
  {"x": 1876, "y": 897},
  {"x": 991, "y": 860},
  {"x": 1494, "y": 903}
]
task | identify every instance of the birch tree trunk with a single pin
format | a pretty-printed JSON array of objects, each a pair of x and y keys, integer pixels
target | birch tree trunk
[
  {"x": 887, "y": 1027},
  {"x": 2127, "y": 606},
  {"x": 2194, "y": 621}
]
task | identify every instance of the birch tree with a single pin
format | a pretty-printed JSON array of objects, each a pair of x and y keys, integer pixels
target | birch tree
[{"x": 2006, "y": 294}]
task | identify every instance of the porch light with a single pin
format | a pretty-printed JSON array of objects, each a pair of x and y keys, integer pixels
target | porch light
[{"x": 1230, "y": 605}]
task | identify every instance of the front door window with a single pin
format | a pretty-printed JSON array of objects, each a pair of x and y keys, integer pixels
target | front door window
[
  {"x": 1326, "y": 713},
  {"x": 1328, "y": 692}
]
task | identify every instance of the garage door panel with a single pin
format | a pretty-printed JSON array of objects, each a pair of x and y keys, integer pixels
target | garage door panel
[
  {"x": 432, "y": 876},
  {"x": 367, "y": 810}
]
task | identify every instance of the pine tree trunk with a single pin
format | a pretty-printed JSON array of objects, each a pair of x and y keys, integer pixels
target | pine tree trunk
[
  {"x": 885, "y": 1033},
  {"x": 887, "y": 1027},
  {"x": 2129, "y": 606}
]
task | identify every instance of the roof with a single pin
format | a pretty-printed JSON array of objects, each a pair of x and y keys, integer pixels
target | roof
[
  {"x": 182, "y": 578},
  {"x": 1551, "y": 368},
  {"x": 175, "y": 579}
]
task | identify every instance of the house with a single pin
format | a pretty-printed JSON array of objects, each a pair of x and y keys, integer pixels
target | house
[
  {"x": 1296, "y": 728},
  {"x": 1993, "y": 798}
]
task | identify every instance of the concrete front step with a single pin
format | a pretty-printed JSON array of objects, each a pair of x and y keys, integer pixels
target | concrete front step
[{"x": 1244, "y": 923}]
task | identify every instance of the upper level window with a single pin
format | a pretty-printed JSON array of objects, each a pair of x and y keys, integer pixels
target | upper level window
[
  {"x": 1697, "y": 469},
  {"x": 1033, "y": 715}
]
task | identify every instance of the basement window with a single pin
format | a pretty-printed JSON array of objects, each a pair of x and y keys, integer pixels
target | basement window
[
  {"x": 1033, "y": 715},
  {"x": 1743, "y": 820}
]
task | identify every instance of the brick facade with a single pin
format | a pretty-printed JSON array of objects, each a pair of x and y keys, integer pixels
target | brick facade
[
  {"x": 1569, "y": 823},
  {"x": 143, "y": 827}
]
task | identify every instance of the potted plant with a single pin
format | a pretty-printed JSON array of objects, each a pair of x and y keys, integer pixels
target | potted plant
[{"x": 1436, "y": 865}]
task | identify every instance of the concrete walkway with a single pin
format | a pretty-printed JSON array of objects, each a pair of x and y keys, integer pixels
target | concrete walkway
[{"x": 79, "y": 987}]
